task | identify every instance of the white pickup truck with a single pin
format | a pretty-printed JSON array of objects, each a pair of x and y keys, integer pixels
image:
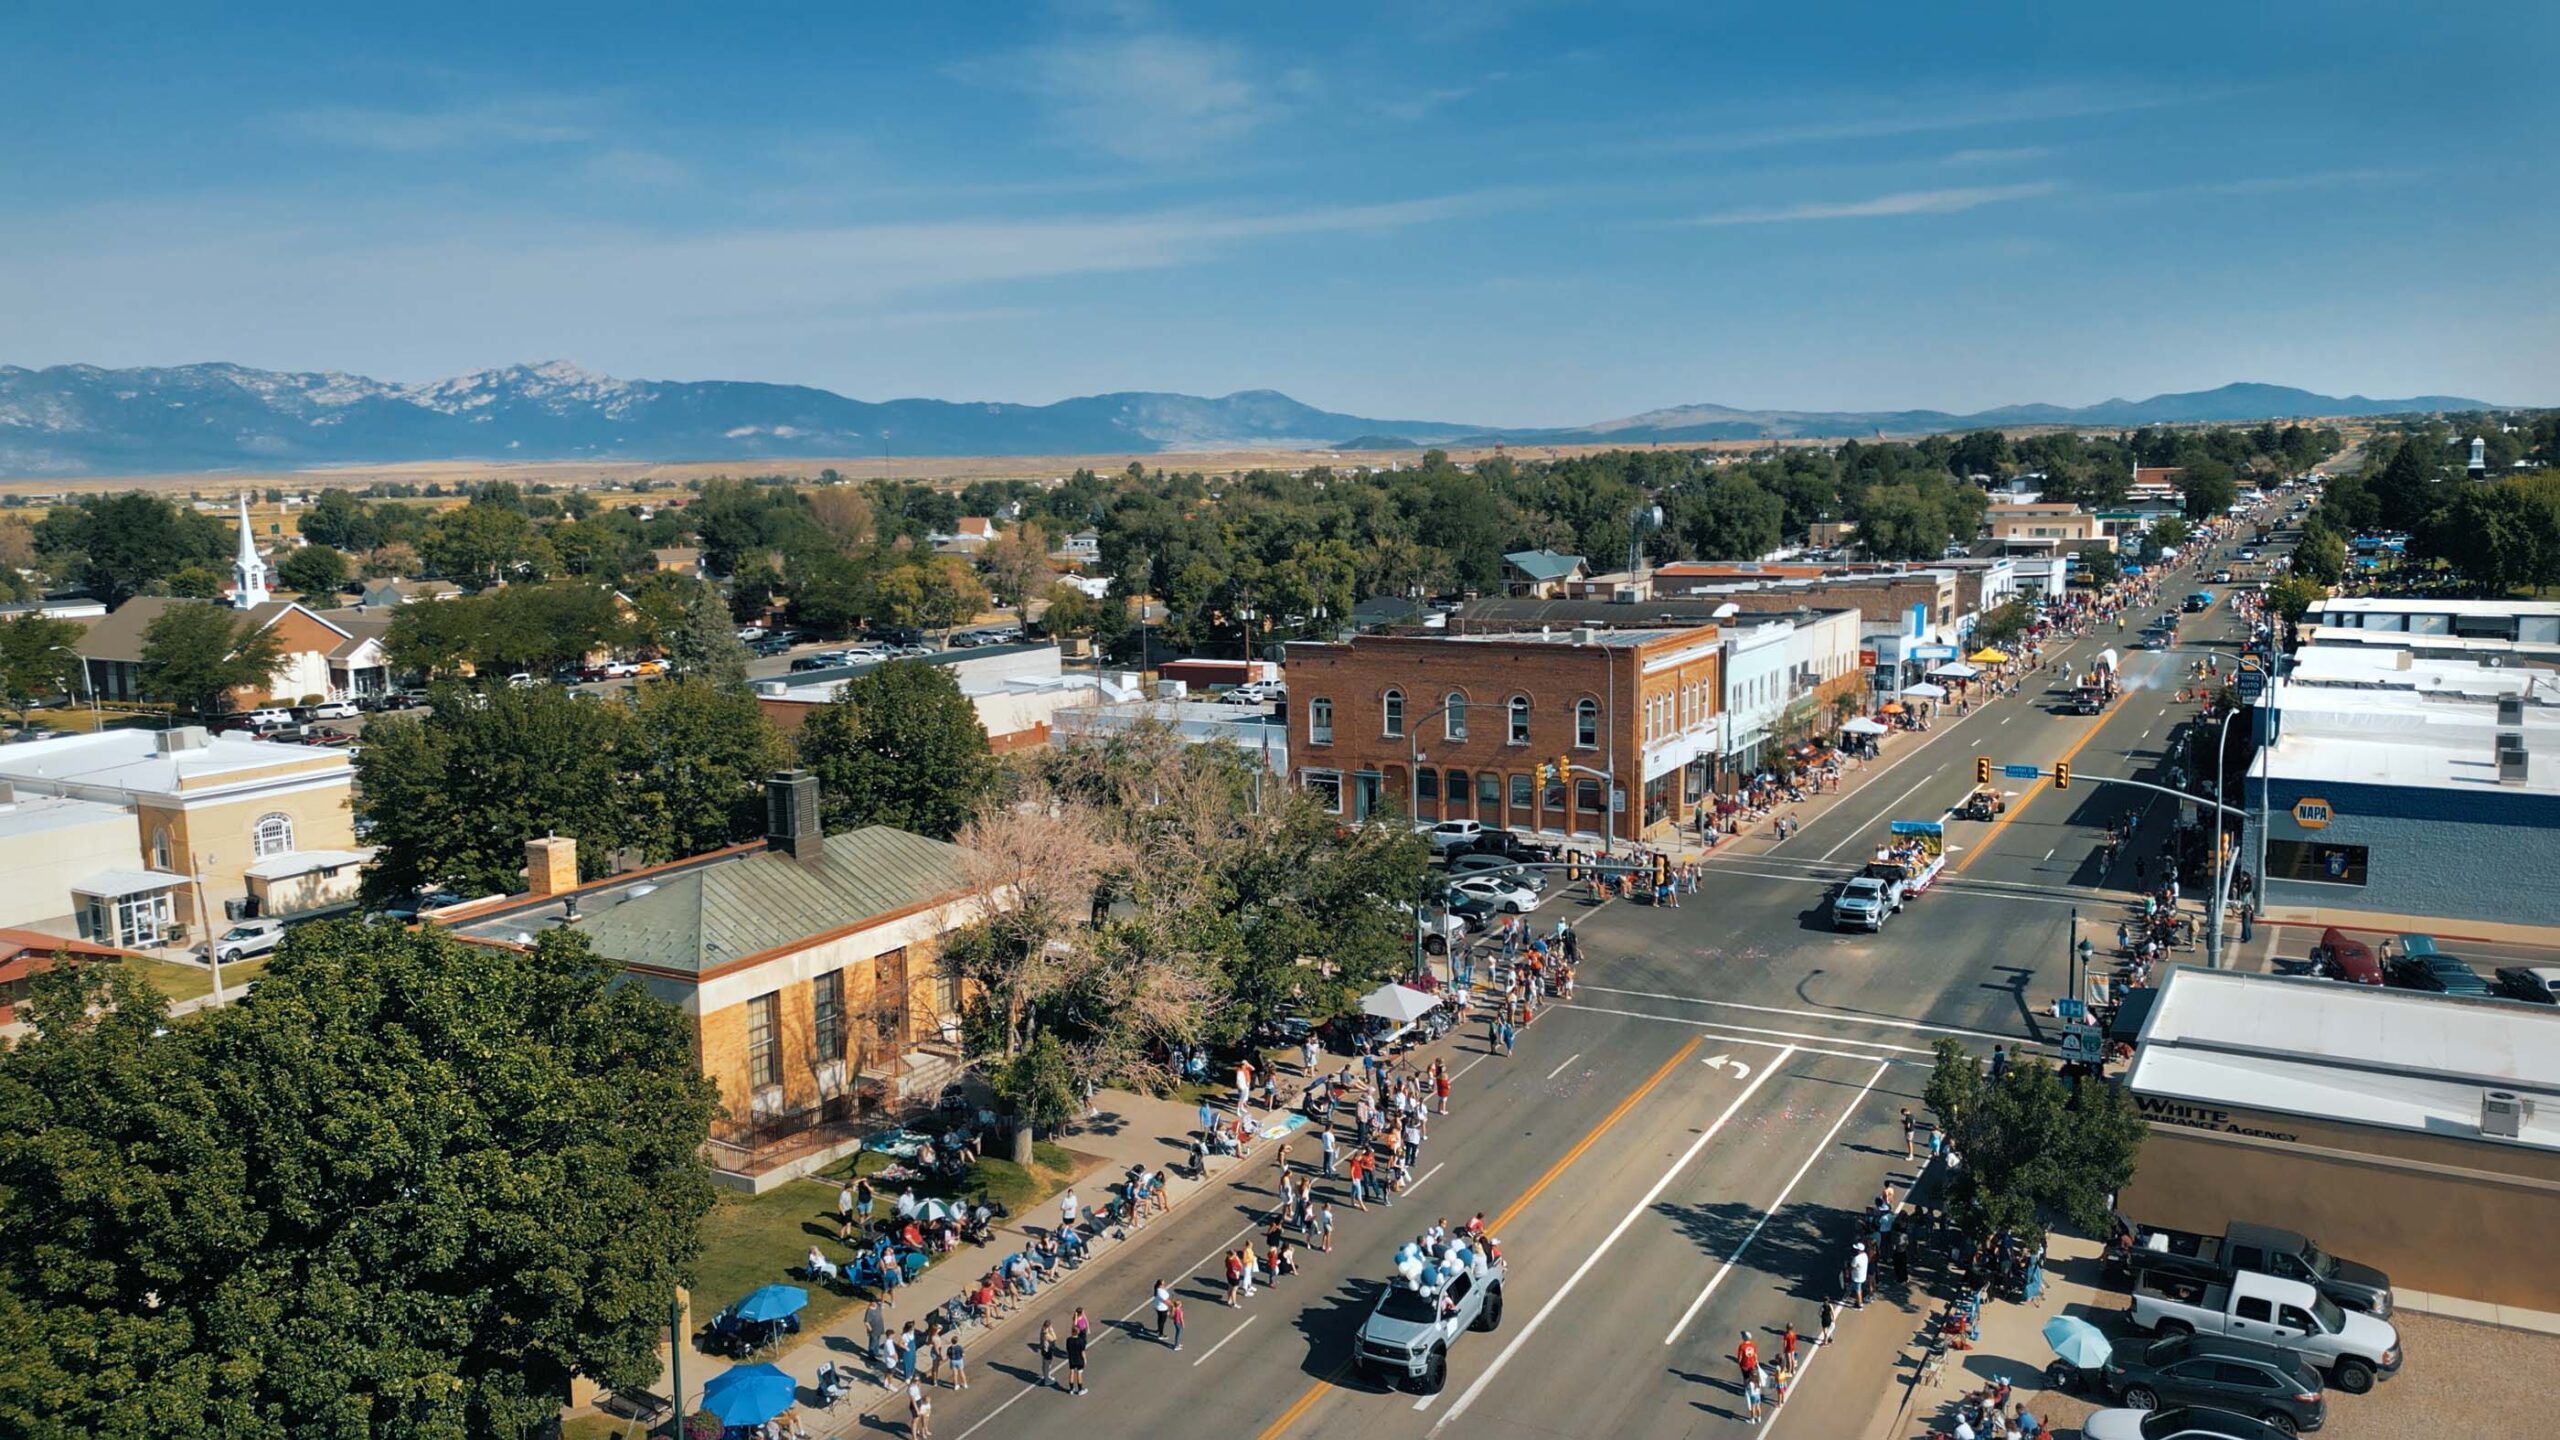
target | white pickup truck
[{"x": 2353, "y": 1348}]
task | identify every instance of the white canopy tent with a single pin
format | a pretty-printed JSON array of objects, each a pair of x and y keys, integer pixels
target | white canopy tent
[
  {"x": 1397, "y": 1004},
  {"x": 1924, "y": 691},
  {"x": 1863, "y": 726},
  {"x": 1958, "y": 669}
]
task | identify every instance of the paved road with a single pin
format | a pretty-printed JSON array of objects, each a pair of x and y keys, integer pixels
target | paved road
[{"x": 1677, "y": 1156}]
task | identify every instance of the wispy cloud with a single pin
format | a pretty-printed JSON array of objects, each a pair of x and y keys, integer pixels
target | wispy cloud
[
  {"x": 1148, "y": 96},
  {"x": 2013, "y": 155},
  {"x": 1927, "y": 115},
  {"x": 1906, "y": 202},
  {"x": 2313, "y": 180},
  {"x": 476, "y": 124}
]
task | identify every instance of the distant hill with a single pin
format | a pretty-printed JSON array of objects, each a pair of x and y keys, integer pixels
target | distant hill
[{"x": 82, "y": 420}]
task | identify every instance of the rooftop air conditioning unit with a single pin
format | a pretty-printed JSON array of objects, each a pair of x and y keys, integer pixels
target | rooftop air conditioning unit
[
  {"x": 2512, "y": 766},
  {"x": 2510, "y": 711},
  {"x": 1586, "y": 636},
  {"x": 2502, "y": 1114}
]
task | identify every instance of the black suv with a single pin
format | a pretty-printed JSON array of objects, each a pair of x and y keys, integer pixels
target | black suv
[
  {"x": 2277, "y": 1387},
  {"x": 2440, "y": 973},
  {"x": 894, "y": 634},
  {"x": 1510, "y": 845}
]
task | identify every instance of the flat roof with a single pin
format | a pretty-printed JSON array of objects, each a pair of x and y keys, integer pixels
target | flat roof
[
  {"x": 36, "y": 814},
  {"x": 132, "y": 760},
  {"x": 2401, "y": 668},
  {"x": 1579, "y": 635},
  {"x": 2386, "y": 605},
  {"x": 2399, "y": 1059}
]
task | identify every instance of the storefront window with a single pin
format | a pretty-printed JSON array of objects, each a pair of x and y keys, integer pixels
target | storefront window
[
  {"x": 1327, "y": 785},
  {"x": 1320, "y": 721}
]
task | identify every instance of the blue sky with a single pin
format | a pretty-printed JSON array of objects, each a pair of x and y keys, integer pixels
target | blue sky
[{"x": 1495, "y": 212}]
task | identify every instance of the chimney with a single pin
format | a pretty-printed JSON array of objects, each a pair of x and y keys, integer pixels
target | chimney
[
  {"x": 791, "y": 815},
  {"x": 550, "y": 865}
]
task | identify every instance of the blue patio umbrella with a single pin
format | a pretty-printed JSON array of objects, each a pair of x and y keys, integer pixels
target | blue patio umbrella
[
  {"x": 772, "y": 1302},
  {"x": 749, "y": 1394},
  {"x": 2077, "y": 1342}
]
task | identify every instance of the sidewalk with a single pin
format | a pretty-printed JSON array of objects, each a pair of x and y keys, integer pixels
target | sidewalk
[{"x": 1921, "y": 1402}]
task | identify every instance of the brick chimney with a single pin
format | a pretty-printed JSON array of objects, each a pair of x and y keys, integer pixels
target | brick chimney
[
  {"x": 550, "y": 865},
  {"x": 791, "y": 815}
]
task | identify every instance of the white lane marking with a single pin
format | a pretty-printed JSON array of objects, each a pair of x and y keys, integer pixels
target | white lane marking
[
  {"x": 1426, "y": 1176},
  {"x": 989, "y": 1418},
  {"x": 1727, "y": 1033},
  {"x": 1222, "y": 1342},
  {"x": 1569, "y": 1059},
  {"x": 1859, "y": 831},
  {"x": 1629, "y": 1218},
  {"x": 1882, "y": 1021},
  {"x": 1470, "y": 1065},
  {"x": 2049, "y": 853},
  {"x": 2005, "y": 719},
  {"x": 1775, "y": 1205}
]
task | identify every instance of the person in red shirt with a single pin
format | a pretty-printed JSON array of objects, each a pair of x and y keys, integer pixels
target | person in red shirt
[{"x": 1747, "y": 1355}]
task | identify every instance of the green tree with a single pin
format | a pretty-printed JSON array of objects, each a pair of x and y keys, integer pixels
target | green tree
[
  {"x": 2208, "y": 489},
  {"x": 2036, "y": 1148},
  {"x": 190, "y": 582},
  {"x": 453, "y": 796},
  {"x": 437, "y": 637},
  {"x": 409, "y": 1187},
  {"x": 2293, "y": 595},
  {"x": 696, "y": 758},
  {"x": 1016, "y": 563},
  {"x": 2099, "y": 562},
  {"x": 2321, "y": 557},
  {"x": 194, "y": 654},
  {"x": 36, "y": 659},
  {"x": 1728, "y": 517},
  {"x": 343, "y": 522},
  {"x": 705, "y": 642},
  {"x": 899, "y": 745},
  {"x": 2405, "y": 487},
  {"x": 2002, "y": 626},
  {"x": 118, "y": 546},
  {"x": 479, "y": 544},
  {"x": 2168, "y": 533},
  {"x": 317, "y": 571}
]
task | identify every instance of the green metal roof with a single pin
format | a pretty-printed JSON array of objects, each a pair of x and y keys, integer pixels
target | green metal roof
[
  {"x": 1544, "y": 564},
  {"x": 702, "y": 919}
]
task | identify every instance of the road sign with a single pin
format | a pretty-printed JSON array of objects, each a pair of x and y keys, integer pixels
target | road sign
[
  {"x": 2312, "y": 814},
  {"x": 2252, "y": 685},
  {"x": 2083, "y": 1045},
  {"x": 2020, "y": 772},
  {"x": 2068, "y": 1009}
]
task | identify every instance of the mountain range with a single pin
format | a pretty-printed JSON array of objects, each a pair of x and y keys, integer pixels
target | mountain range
[{"x": 72, "y": 420}]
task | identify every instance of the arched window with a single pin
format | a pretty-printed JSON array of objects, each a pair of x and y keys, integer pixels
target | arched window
[
  {"x": 1586, "y": 723},
  {"x": 273, "y": 835},
  {"x": 1394, "y": 707},
  {"x": 160, "y": 849},
  {"x": 1519, "y": 719},
  {"x": 1453, "y": 718}
]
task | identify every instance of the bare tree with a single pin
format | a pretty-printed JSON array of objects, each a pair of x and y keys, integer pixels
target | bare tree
[{"x": 1035, "y": 861}]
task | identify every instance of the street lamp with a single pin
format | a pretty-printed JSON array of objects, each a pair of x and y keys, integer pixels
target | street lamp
[
  {"x": 2222, "y": 871},
  {"x": 1413, "y": 808}
]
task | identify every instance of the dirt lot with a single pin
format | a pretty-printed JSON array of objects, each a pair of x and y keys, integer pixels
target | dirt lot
[{"x": 2461, "y": 1380}]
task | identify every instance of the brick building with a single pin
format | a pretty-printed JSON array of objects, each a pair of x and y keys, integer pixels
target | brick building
[
  {"x": 1455, "y": 726},
  {"x": 806, "y": 966}
]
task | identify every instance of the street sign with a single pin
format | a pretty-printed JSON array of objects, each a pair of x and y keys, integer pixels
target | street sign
[
  {"x": 2252, "y": 685},
  {"x": 2312, "y": 814},
  {"x": 2068, "y": 1009},
  {"x": 2020, "y": 772},
  {"x": 2083, "y": 1045}
]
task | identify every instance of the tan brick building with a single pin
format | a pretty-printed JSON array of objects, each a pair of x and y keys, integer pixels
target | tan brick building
[
  {"x": 806, "y": 964},
  {"x": 2044, "y": 525},
  {"x": 1457, "y": 726}
]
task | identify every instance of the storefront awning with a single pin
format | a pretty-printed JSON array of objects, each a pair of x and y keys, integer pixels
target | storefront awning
[{"x": 116, "y": 884}]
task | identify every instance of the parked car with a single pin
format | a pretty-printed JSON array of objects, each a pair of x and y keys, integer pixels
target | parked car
[
  {"x": 1506, "y": 894},
  {"x": 2539, "y": 984},
  {"x": 270, "y": 719},
  {"x": 2242, "y": 1376},
  {"x": 1478, "y": 912},
  {"x": 1477, "y": 862},
  {"x": 1256, "y": 692},
  {"x": 2338, "y": 957},
  {"x": 751, "y": 633},
  {"x": 2355, "y": 1349},
  {"x": 522, "y": 681},
  {"x": 334, "y": 710},
  {"x": 2258, "y": 1249},
  {"x": 2441, "y": 974},
  {"x": 249, "y": 937},
  {"x": 807, "y": 663},
  {"x": 895, "y": 634},
  {"x": 771, "y": 645},
  {"x": 1451, "y": 835},
  {"x": 2184, "y": 1423},
  {"x": 616, "y": 670}
]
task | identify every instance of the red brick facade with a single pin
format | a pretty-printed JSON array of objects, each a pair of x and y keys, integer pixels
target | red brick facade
[{"x": 1359, "y": 710}]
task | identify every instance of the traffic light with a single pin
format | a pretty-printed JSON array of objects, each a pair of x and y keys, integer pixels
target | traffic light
[
  {"x": 1661, "y": 871},
  {"x": 1981, "y": 769},
  {"x": 2062, "y": 775},
  {"x": 1564, "y": 768},
  {"x": 1542, "y": 777},
  {"x": 1572, "y": 867}
]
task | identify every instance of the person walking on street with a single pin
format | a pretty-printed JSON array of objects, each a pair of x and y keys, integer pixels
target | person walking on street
[
  {"x": 959, "y": 1359},
  {"x": 1163, "y": 1299},
  {"x": 1048, "y": 1348},
  {"x": 1858, "y": 1267},
  {"x": 919, "y": 1413},
  {"x": 1440, "y": 1084},
  {"x": 875, "y": 1329},
  {"x": 1830, "y": 1318},
  {"x": 1787, "y": 1346},
  {"x": 1752, "y": 1381},
  {"x": 1075, "y": 1357},
  {"x": 1910, "y": 1135},
  {"x": 1235, "y": 1278},
  {"x": 1324, "y": 1229},
  {"x": 1326, "y": 1143}
]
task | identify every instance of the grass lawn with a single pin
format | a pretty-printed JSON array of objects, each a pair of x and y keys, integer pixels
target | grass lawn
[
  {"x": 187, "y": 982},
  {"x": 749, "y": 1241}
]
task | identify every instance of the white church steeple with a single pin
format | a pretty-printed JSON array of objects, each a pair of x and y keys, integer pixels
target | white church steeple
[{"x": 248, "y": 571}]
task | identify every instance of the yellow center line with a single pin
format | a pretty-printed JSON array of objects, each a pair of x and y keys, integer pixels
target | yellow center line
[
  {"x": 1298, "y": 1409},
  {"x": 2042, "y": 784}
]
